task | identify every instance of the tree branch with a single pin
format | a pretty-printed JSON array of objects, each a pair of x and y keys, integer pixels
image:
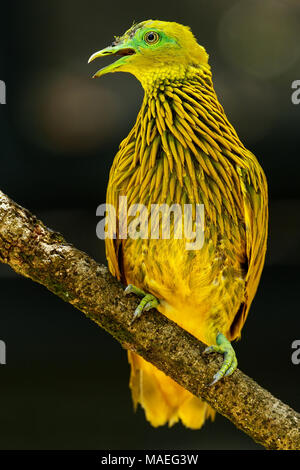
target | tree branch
[{"x": 37, "y": 252}]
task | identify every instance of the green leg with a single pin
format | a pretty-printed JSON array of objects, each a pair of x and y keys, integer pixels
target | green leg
[
  {"x": 148, "y": 301},
  {"x": 230, "y": 361}
]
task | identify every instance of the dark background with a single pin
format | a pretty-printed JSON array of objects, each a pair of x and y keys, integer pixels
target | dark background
[{"x": 65, "y": 384}]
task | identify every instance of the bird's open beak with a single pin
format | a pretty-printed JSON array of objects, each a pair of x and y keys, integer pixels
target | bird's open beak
[{"x": 116, "y": 50}]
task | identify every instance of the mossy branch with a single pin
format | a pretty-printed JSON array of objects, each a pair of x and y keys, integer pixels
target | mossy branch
[{"x": 37, "y": 252}]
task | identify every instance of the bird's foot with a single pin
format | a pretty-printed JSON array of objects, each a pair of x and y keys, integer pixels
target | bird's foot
[
  {"x": 229, "y": 365},
  {"x": 148, "y": 301}
]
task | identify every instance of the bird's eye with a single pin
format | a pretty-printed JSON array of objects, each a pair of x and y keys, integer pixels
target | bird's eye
[{"x": 151, "y": 37}]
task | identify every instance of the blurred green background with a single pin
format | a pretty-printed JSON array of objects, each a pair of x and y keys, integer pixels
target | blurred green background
[{"x": 65, "y": 384}]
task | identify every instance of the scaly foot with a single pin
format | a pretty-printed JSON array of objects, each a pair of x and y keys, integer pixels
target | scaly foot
[
  {"x": 230, "y": 361},
  {"x": 148, "y": 301}
]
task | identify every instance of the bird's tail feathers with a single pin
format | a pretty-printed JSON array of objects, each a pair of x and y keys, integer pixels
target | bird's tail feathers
[{"x": 163, "y": 400}]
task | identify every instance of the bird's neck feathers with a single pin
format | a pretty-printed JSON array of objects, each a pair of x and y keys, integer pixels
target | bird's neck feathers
[
  {"x": 181, "y": 134},
  {"x": 161, "y": 73},
  {"x": 184, "y": 114}
]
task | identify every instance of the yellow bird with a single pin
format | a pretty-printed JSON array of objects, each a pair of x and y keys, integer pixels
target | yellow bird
[{"x": 182, "y": 150}]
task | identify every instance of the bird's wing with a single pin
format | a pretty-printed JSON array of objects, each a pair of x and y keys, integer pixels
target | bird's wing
[
  {"x": 112, "y": 245},
  {"x": 255, "y": 200},
  {"x": 118, "y": 173}
]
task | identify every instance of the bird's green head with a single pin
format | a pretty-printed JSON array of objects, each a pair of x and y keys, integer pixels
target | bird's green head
[{"x": 154, "y": 50}]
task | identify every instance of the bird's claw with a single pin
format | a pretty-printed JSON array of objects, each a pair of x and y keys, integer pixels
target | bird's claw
[
  {"x": 148, "y": 301},
  {"x": 229, "y": 365},
  {"x": 131, "y": 289}
]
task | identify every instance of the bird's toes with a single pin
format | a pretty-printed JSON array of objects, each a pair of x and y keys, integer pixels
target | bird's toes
[{"x": 148, "y": 302}]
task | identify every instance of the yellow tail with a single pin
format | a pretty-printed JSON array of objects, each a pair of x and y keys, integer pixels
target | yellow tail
[{"x": 164, "y": 401}]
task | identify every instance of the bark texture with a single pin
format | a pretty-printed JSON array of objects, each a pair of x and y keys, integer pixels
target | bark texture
[{"x": 37, "y": 252}]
